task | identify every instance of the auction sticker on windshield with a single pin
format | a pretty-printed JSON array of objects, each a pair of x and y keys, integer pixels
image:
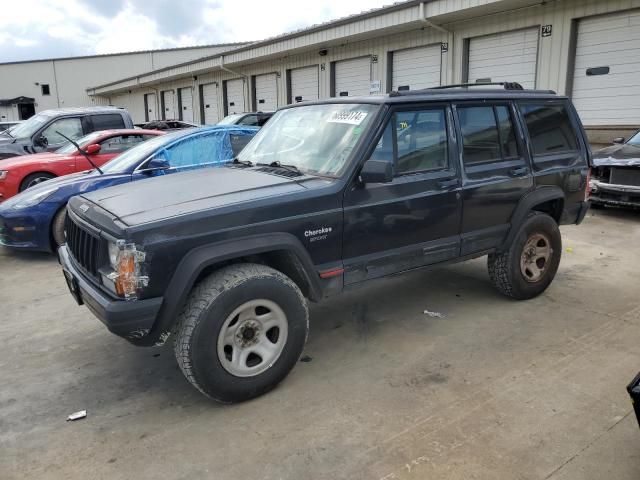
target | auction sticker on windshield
[{"x": 348, "y": 116}]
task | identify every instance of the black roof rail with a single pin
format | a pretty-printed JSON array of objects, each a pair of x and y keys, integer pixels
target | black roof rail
[
  {"x": 513, "y": 86},
  {"x": 506, "y": 85}
]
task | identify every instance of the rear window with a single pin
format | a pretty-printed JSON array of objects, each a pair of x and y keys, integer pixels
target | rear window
[
  {"x": 550, "y": 128},
  {"x": 107, "y": 121}
]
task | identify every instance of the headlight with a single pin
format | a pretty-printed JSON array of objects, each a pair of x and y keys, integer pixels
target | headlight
[
  {"x": 126, "y": 277},
  {"x": 29, "y": 199},
  {"x": 3, "y": 174}
]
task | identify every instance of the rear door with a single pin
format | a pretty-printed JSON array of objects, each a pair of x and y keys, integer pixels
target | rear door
[
  {"x": 414, "y": 220},
  {"x": 496, "y": 172},
  {"x": 559, "y": 155}
]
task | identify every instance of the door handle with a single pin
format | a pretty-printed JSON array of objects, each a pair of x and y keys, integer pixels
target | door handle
[
  {"x": 518, "y": 171},
  {"x": 448, "y": 183}
]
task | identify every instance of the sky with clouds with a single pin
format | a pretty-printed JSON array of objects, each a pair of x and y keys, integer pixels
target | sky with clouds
[{"x": 33, "y": 29}]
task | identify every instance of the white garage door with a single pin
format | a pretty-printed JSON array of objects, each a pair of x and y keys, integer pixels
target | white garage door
[
  {"x": 210, "y": 104},
  {"x": 353, "y": 77},
  {"x": 266, "y": 92},
  {"x": 416, "y": 68},
  {"x": 169, "y": 112},
  {"x": 151, "y": 106},
  {"x": 505, "y": 57},
  {"x": 606, "y": 85},
  {"x": 304, "y": 84},
  {"x": 235, "y": 96},
  {"x": 186, "y": 103}
]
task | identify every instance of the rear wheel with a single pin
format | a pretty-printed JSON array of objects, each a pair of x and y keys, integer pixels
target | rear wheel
[
  {"x": 528, "y": 267},
  {"x": 241, "y": 332},
  {"x": 35, "y": 179}
]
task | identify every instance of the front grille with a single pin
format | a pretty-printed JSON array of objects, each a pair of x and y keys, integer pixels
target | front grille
[
  {"x": 88, "y": 249},
  {"x": 625, "y": 176}
]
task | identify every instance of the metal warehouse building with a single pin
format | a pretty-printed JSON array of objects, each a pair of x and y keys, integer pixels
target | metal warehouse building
[{"x": 587, "y": 49}]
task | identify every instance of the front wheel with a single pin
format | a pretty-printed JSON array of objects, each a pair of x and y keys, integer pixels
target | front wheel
[
  {"x": 529, "y": 265},
  {"x": 241, "y": 331}
]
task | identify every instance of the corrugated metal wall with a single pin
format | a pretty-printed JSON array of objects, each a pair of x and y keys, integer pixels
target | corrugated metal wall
[{"x": 554, "y": 62}]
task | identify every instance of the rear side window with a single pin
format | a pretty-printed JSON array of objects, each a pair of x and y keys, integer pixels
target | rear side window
[
  {"x": 107, "y": 122},
  {"x": 249, "y": 120},
  {"x": 550, "y": 128},
  {"x": 420, "y": 141},
  {"x": 120, "y": 143},
  {"x": 488, "y": 134}
]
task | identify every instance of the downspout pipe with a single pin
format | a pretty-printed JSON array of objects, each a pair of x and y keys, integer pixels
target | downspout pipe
[{"x": 246, "y": 77}]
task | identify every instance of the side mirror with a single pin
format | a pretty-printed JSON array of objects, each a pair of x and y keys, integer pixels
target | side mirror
[
  {"x": 156, "y": 164},
  {"x": 92, "y": 149},
  {"x": 377, "y": 171},
  {"x": 618, "y": 140},
  {"x": 41, "y": 141}
]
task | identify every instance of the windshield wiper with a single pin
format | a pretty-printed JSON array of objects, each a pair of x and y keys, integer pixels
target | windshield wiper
[
  {"x": 277, "y": 164},
  {"x": 85, "y": 154},
  {"x": 8, "y": 133},
  {"x": 242, "y": 162}
]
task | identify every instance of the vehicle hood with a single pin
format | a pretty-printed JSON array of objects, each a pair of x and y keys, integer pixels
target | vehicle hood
[
  {"x": 625, "y": 155},
  {"x": 34, "y": 158},
  {"x": 183, "y": 193}
]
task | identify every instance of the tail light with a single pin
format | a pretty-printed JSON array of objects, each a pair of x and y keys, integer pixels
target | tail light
[{"x": 587, "y": 187}]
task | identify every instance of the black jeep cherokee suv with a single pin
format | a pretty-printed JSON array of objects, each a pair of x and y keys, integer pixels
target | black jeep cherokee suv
[{"x": 327, "y": 196}]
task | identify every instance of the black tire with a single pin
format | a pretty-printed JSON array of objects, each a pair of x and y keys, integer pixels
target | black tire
[
  {"x": 34, "y": 179},
  {"x": 57, "y": 228},
  {"x": 210, "y": 305},
  {"x": 505, "y": 269}
]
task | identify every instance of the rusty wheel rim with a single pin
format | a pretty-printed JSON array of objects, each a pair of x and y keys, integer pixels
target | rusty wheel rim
[{"x": 535, "y": 258}]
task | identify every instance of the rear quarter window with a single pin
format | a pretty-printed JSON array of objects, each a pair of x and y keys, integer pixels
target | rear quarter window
[
  {"x": 550, "y": 128},
  {"x": 107, "y": 121}
]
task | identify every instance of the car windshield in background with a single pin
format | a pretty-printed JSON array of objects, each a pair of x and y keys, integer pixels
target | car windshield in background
[
  {"x": 130, "y": 159},
  {"x": 635, "y": 140},
  {"x": 83, "y": 142},
  {"x": 27, "y": 128},
  {"x": 316, "y": 139},
  {"x": 231, "y": 119}
]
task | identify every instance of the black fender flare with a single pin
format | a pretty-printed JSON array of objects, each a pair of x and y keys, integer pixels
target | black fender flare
[
  {"x": 526, "y": 204},
  {"x": 194, "y": 262}
]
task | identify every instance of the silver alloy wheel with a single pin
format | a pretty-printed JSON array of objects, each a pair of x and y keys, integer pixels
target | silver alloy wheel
[
  {"x": 535, "y": 257},
  {"x": 252, "y": 338},
  {"x": 36, "y": 181}
]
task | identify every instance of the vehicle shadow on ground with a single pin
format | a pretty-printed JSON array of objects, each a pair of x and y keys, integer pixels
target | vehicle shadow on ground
[{"x": 25, "y": 256}]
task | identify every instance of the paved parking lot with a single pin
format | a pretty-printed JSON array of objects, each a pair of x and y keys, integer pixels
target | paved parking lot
[{"x": 496, "y": 389}]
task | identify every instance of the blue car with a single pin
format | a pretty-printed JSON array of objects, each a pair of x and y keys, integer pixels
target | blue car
[{"x": 34, "y": 219}]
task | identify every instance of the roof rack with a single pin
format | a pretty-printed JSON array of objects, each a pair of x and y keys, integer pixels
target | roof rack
[{"x": 506, "y": 85}]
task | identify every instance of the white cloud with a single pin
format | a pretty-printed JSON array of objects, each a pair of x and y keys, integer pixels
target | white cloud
[{"x": 51, "y": 28}]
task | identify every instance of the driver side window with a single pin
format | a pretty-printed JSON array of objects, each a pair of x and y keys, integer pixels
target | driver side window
[
  {"x": 415, "y": 141},
  {"x": 70, "y": 127}
]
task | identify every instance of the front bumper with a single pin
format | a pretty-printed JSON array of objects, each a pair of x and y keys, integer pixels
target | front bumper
[
  {"x": 27, "y": 231},
  {"x": 132, "y": 320},
  {"x": 611, "y": 194}
]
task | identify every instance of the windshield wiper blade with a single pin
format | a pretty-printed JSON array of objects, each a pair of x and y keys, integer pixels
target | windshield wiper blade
[
  {"x": 7, "y": 133},
  {"x": 277, "y": 164},
  {"x": 84, "y": 154},
  {"x": 237, "y": 161}
]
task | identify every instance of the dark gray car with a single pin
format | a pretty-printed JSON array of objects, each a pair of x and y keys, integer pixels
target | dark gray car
[{"x": 39, "y": 133}]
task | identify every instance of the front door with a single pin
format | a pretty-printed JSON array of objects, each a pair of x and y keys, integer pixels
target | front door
[
  {"x": 415, "y": 219},
  {"x": 496, "y": 173}
]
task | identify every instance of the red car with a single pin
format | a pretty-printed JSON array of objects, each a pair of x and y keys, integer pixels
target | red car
[{"x": 20, "y": 173}]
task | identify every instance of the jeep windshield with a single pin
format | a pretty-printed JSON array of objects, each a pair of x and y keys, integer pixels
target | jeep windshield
[{"x": 315, "y": 139}]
